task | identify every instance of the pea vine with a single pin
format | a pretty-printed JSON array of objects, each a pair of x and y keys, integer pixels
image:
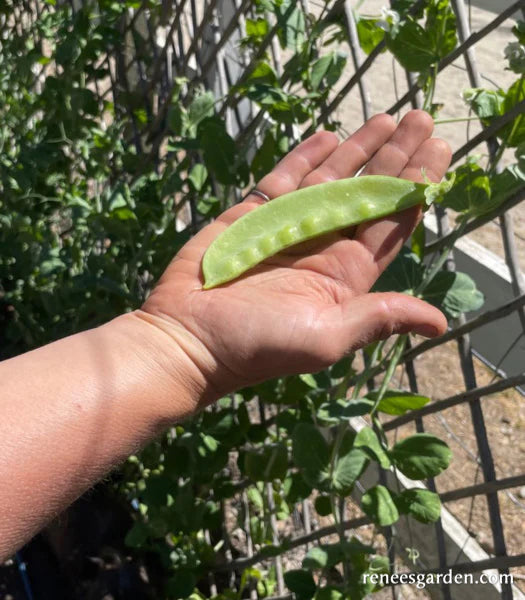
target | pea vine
[{"x": 99, "y": 192}]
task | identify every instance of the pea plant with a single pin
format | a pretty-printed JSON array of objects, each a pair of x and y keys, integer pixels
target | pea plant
[
  {"x": 290, "y": 440},
  {"x": 99, "y": 192}
]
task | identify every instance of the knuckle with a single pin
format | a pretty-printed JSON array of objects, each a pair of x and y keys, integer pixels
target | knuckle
[{"x": 384, "y": 318}]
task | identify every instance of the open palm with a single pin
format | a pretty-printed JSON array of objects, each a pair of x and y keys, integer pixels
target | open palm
[{"x": 303, "y": 309}]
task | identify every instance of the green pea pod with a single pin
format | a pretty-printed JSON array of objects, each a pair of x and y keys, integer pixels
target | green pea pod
[{"x": 309, "y": 213}]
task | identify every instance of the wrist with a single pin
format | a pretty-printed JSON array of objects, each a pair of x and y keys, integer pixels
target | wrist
[{"x": 165, "y": 354}]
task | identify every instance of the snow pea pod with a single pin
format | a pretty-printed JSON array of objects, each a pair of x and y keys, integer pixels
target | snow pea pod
[{"x": 305, "y": 214}]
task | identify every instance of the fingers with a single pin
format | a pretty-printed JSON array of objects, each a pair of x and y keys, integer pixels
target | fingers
[
  {"x": 415, "y": 127},
  {"x": 352, "y": 154},
  {"x": 344, "y": 162},
  {"x": 434, "y": 156},
  {"x": 383, "y": 238},
  {"x": 373, "y": 245},
  {"x": 374, "y": 317},
  {"x": 296, "y": 165},
  {"x": 284, "y": 178}
]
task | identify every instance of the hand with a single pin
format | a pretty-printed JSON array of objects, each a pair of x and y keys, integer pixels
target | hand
[{"x": 303, "y": 309}]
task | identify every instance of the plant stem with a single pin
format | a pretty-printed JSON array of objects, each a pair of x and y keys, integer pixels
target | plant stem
[
  {"x": 457, "y": 120},
  {"x": 429, "y": 95},
  {"x": 399, "y": 348},
  {"x": 333, "y": 497},
  {"x": 436, "y": 266}
]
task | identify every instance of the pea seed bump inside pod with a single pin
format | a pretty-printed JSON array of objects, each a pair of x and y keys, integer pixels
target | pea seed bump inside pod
[{"x": 309, "y": 213}]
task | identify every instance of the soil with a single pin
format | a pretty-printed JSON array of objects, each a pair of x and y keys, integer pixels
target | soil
[{"x": 439, "y": 376}]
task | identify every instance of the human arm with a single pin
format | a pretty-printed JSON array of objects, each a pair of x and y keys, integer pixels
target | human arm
[{"x": 76, "y": 408}]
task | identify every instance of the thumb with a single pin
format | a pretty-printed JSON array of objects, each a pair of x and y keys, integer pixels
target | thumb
[{"x": 376, "y": 316}]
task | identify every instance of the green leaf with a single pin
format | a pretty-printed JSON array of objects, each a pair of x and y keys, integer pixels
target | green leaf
[
  {"x": 295, "y": 488},
  {"x": 519, "y": 31},
  {"x": 223, "y": 426},
  {"x": 68, "y": 50},
  {"x": 369, "y": 33},
  {"x": 423, "y": 505},
  {"x": 367, "y": 439},
  {"x": 328, "y": 68},
  {"x": 354, "y": 546},
  {"x": 514, "y": 132},
  {"x": 343, "y": 367},
  {"x": 198, "y": 176},
  {"x": 267, "y": 464},
  {"x": 378, "y": 504},
  {"x": 248, "y": 575},
  {"x": 421, "y": 455},
  {"x": 309, "y": 380},
  {"x": 263, "y": 73},
  {"x": 84, "y": 100},
  {"x": 301, "y": 583},
  {"x": 256, "y": 28},
  {"x": 319, "y": 69},
  {"x": 508, "y": 181},
  {"x": 200, "y": 108},
  {"x": 52, "y": 265},
  {"x": 417, "y": 241},
  {"x": 334, "y": 412},
  {"x": 403, "y": 7},
  {"x": 270, "y": 550},
  {"x": 403, "y": 274},
  {"x": 137, "y": 535},
  {"x": 349, "y": 465},
  {"x": 515, "y": 54},
  {"x": 411, "y": 46},
  {"x": 471, "y": 191},
  {"x": 379, "y": 564},
  {"x": 434, "y": 192},
  {"x": 181, "y": 585},
  {"x": 255, "y": 497},
  {"x": 441, "y": 27},
  {"x": 454, "y": 293},
  {"x": 292, "y": 25},
  {"x": 264, "y": 159},
  {"x": 318, "y": 557},
  {"x": 177, "y": 119},
  {"x": 329, "y": 592},
  {"x": 209, "y": 206},
  {"x": 398, "y": 402},
  {"x": 326, "y": 556},
  {"x": 417, "y": 48},
  {"x": 220, "y": 155},
  {"x": 487, "y": 104},
  {"x": 311, "y": 454}
]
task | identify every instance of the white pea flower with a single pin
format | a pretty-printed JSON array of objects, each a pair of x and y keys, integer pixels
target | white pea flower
[
  {"x": 389, "y": 19},
  {"x": 515, "y": 53},
  {"x": 469, "y": 94}
]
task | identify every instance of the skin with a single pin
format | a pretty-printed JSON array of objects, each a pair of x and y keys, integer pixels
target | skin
[{"x": 74, "y": 409}]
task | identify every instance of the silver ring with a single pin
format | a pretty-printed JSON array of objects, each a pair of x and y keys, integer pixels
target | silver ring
[{"x": 257, "y": 192}]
